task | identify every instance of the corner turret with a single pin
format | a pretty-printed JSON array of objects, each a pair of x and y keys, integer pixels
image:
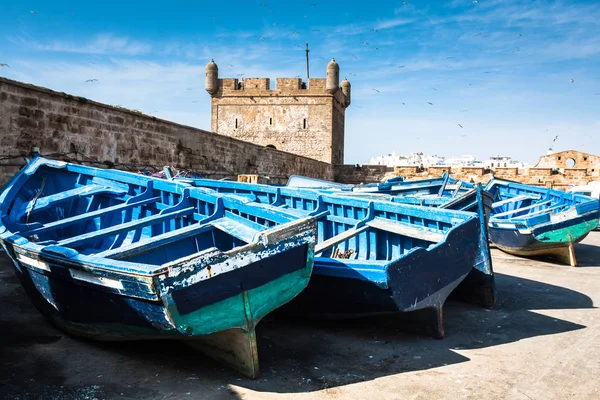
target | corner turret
[
  {"x": 346, "y": 89},
  {"x": 332, "y": 83},
  {"x": 212, "y": 78}
]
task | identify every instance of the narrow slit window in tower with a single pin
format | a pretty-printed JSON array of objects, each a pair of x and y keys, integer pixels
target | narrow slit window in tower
[
  {"x": 236, "y": 123},
  {"x": 304, "y": 123},
  {"x": 270, "y": 121}
]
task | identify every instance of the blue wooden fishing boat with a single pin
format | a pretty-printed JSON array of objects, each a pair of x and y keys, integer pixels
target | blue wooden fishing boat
[
  {"x": 112, "y": 255},
  {"x": 371, "y": 256},
  {"x": 529, "y": 220},
  {"x": 444, "y": 192}
]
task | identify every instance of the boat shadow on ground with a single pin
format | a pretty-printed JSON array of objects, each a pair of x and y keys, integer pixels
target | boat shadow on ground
[{"x": 296, "y": 356}]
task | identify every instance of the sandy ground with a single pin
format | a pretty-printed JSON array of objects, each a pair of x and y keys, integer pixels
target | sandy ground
[{"x": 539, "y": 342}]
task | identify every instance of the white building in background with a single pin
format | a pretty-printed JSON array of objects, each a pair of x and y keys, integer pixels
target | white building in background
[
  {"x": 423, "y": 160},
  {"x": 502, "y": 162},
  {"x": 390, "y": 160},
  {"x": 413, "y": 159},
  {"x": 462, "y": 161}
]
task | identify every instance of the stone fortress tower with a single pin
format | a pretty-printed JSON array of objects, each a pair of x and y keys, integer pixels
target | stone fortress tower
[{"x": 308, "y": 121}]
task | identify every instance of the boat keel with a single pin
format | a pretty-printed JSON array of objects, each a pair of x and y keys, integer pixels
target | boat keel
[
  {"x": 235, "y": 348},
  {"x": 565, "y": 255}
]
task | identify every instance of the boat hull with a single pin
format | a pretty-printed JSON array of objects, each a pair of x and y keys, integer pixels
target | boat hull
[
  {"x": 217, "y": 316},
  {"x": 554, "y": 240},
  {"x": 419, "y": 281}
]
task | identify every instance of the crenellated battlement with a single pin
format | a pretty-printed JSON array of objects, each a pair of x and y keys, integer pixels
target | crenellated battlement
[{"x": 227, "y": 86}]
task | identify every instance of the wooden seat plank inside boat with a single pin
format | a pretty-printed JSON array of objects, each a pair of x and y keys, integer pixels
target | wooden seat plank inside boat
[
  {"x": 42, "y": 203},
  {"x": 406, "y": 230},
  {"x": 342, "y": 237},
  {"x": 91, "y": 215},
  {"x": 126, "y": 227},
  {"x": 156, "y": 241},
  {"x": 518, "y": 210},
  {"x": 514, "y": 200}
]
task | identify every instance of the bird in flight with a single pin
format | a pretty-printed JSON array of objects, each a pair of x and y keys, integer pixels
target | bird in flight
[
  {"x": 264, "y": 5},
  {"x": 195, "y": 101},
  {"x": 449, "y": 58},
  {"x": 434, "y": 88},
  {"x": 316, "y": 30},
  {"x": 430, "y": 103},
  {"x": 4, "y": 65},
  {"x": 33, "y": 12},
  {"x": 261, "y": 39},
  {"x": 401, "y": 66},
  {"x": 189, "y": 88},
  {"x": 365, "y": 43},
  {"x": 92, "y": 80},
  {"x": 460, "y": 125},
  {"x": 376, "y": 90},
  {"x": 351, "y": 73},
  {"x": 375, "y": 48},
  {"x": 231, "y": 65},
  {"x": 572, "y": 80},
  {"x": 375, "y": 30},
  {"x": 464, "y": 110},
  {"x": 354, "y": 55}
]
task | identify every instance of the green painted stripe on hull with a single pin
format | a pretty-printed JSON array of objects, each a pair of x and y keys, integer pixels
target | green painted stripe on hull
[
  {"x": 231, "y": 313},
  {"x": 569, "y": 234}
]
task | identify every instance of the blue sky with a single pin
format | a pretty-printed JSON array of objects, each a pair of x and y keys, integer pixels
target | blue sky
[{"x": 514, "y": 74}]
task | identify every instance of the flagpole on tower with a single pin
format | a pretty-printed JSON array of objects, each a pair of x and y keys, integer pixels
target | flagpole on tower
[{"x": 307, "y": 70}]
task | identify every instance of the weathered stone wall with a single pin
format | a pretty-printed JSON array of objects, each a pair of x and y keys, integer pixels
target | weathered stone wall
[
  {"x": 549, "y": 177},
  {"x": 67, "y": 127},
  {"x": 356, "y": 174},
  {"x": 305, "y": 121},
  {"x": 578, "y": 159}
]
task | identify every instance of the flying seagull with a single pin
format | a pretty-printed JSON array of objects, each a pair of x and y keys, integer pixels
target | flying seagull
[
  {"x": 92, "y": 80},
  {"x": 430, "y": 103},
  {"x": 401, "y": 66},
  {"x": 376, "y": 90},
  {"x": 33, "y": 12},
  {"x": 572, "y": 80},
  {"x": 460, "y": 125},
  {"x": 4, "y": 65}
]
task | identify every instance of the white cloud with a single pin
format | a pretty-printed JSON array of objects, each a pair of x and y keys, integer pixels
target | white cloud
[
  {"x": 101, "y": 44},
  {"x": 392, "y": 23}
]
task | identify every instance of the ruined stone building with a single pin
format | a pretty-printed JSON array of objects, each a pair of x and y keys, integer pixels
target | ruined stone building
[{"x": 293, "y": 117}]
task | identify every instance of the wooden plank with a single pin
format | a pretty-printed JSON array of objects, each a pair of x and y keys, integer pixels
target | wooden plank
[
  {"x": 518, "y": 210},
  {"x": 236, "y": 229},
  {"x": 513, "y": 200},
  {"x": 114, "y": 230},
  {"x": 545, "y": 210},
  {"x": 45, "y": 202},
  {"x": 406, "y": 230},
  {"x": 342, "y": 237},
  {"x": 154, "y": 242},
  {"x": 91, "y": 215}
]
